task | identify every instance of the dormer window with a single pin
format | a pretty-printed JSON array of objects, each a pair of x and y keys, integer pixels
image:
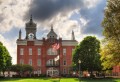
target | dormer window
[{"x": 52, "y": 34}]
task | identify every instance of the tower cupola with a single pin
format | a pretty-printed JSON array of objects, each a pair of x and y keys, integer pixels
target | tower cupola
[{"x": 30, "y": 29}]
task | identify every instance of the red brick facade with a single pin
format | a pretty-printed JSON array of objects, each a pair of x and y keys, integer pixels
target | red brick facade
[
  {"x": 40, "y": 55},
  {"x": 116, "y": 70}
]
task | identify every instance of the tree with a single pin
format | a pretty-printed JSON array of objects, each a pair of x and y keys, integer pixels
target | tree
[
  {"x": 8, "y": 62},
  {"x": 21, "y": 69},
  {"x": 5, "y": 59},
  {"x": 111, "y": 24},
  {"x": 88, "y": 52},
  {"x": 28, "y": 68},
  {"x": 109, "y": 55},
  {"x": 16, "y": 68}
]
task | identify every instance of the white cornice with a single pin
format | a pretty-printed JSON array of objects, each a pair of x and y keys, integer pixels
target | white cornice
[
  {"x": 69, "y": 43},
  {"x": 24, "y": 42},
  {"x": 40, "y": 42},
  {"x": 21, "y": 42},
  {"x": 37, "y": 42}
]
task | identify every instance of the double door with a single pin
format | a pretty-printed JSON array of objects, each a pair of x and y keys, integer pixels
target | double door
[{"x": 52, "y": 72}]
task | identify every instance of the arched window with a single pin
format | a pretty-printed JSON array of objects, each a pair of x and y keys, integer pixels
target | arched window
[{"x": 50, "y": 51}]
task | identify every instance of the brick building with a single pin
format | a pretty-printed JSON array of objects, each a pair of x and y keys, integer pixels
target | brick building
[
  {"x": 40, "y": 54},
  {"x": 116, "y": 71}
]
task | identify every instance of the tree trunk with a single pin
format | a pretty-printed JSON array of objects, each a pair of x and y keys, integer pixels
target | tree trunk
[
  {"x": 91, "y": 74},
  {"x": 3, "y": 73},
  {"x": 19, "y": 74},
  {"x": 30, "y": 74},
  {"x": 8, "y": 73}
]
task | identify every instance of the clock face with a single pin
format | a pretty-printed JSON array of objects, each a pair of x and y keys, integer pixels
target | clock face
[{"x": 31, "y": 36}]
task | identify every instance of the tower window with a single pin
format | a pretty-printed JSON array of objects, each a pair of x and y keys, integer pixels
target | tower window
[
  {"x": 30, "y": 51},
  {"x": 64, "y": 51},
  {"x": 21, "y": 51},
  {"x": 39, "y": 51}
]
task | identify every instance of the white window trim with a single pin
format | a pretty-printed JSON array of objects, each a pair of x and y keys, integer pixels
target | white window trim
[
  {"x": 50, "y": 51},
  {"x": 39, "y": 51},
  {"x": 65, "y": 62},
  {"x": 21, "y": 51},
  {"x": 30, "y": 51},
  {"x": 30, "y": 62},
  {"x": 39, "y": 71},
  {"x": 64, "y": 71},
  {"x": 64, "y": 51},
  {"x": 50, "y": 62},
  {"x": 39, "y": 62}
]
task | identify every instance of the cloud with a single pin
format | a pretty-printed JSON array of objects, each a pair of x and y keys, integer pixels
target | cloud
[
  {"x": 48, "y": 9},
  {"x": 66, "y": 27},
  {"x": 47, "y": 12},
  {"x": 94, "y": 16},
  {"x": 51, "y": 12},
  {"x": 11, "y": 14}
]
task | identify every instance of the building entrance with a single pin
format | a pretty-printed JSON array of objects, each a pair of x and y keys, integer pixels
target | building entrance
[{"x": 52, "y": 72}]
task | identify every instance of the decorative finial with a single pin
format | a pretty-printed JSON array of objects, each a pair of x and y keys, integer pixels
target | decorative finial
[
  {"x": 20, "y": 30},
  {"x": 73, "y": 36},
  {"x": 20, "y": 34},
  {"x": 31, "y": 18},
  {"x": 51, "y": 26}
]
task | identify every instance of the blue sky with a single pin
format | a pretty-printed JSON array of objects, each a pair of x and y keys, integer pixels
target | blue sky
[{"x": 84, "y": 17}]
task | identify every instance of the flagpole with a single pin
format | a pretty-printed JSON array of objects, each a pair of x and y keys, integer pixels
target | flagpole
[
  {"x": 59, "y": 55},
  {"x": 59, "y": 59},
  {"x": 56, "y": 46}
]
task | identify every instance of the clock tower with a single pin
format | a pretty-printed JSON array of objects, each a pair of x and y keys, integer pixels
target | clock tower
[{"x": 30, "y": 29}]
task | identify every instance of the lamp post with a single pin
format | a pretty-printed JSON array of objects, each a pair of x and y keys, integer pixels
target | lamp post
[{"x": 79, "y": 70}]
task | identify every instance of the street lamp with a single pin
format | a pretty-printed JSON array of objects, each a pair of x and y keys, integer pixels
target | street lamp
[{"x": 79, "y": 69}]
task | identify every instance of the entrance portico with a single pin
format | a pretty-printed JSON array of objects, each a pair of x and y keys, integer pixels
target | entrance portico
[{"x": 52, "y": 71}]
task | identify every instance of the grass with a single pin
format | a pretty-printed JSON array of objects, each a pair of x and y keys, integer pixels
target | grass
[{"x": 56, "y": 80}]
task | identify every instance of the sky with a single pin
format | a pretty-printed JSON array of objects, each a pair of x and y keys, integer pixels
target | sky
[{"x": 84, "y": 17}]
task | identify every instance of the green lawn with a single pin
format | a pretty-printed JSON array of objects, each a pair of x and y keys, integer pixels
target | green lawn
[{"x": 56, "y": 80}]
